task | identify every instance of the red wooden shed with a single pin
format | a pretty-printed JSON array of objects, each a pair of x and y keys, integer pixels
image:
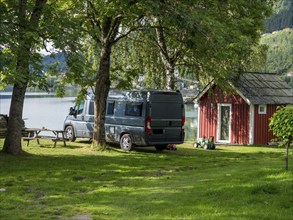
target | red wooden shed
[{"x": 242, "y": 117}]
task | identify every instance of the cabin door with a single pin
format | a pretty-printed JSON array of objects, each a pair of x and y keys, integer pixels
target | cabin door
[{"x": 224, "y": 123}]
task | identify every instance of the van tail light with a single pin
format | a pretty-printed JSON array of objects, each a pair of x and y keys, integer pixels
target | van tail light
[
  {"x": 183, "y": 122},
  {"x": 148, "y": 124}
]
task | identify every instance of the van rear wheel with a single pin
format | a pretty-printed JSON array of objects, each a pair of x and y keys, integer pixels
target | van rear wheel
[
  {"x": 126, "y": 142},
  {"x": 69, "y": 133}
]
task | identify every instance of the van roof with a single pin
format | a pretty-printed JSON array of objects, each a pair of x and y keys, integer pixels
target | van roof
[{"x": 134, "y": 94}]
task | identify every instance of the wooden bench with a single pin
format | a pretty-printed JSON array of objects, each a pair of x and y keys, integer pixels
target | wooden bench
[
  {"x": 4, "y": 125},
  {"x": 35, "y": 134}
]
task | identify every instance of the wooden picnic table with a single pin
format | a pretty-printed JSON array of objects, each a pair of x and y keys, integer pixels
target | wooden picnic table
[{"x": 44, "y": 133}]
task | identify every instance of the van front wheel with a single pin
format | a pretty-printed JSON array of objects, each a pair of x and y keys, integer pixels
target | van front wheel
[
  {"x": 126, "y": 142},
  {"x": 69, "y": 133}
]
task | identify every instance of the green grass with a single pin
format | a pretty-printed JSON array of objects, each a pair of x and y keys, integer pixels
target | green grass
[{"x": 76, "y": 182}]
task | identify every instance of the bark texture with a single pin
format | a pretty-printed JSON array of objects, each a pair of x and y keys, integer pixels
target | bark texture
[
  {"x": 101, "y": 92},
  {"x": 109, "y": 30},
  {"x": 168, "y": 61}
]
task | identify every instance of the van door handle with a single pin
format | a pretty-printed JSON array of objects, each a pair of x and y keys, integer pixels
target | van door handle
[{"x": 82, "y": 118}]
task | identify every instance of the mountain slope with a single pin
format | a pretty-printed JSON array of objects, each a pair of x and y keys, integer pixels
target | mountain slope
[
  {"x": 280, "y": 51},
  {"x": 282, "y": 17}
]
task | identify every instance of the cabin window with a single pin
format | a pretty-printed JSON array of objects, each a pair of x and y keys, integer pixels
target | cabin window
[
  {"x": 110, "y": 108},
  {"x": 262, "y": 109},
  {"x": 133, "y": 109}
]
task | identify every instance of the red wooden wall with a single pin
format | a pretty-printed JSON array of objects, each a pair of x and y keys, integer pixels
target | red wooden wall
[
  {"x": 239, "y": 118},
  {"x": 262, "y": 135},
  {"x": 209, "y": 115}
]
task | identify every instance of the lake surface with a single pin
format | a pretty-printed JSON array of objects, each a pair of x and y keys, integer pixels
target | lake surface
[{"x": 50, "y": 112}]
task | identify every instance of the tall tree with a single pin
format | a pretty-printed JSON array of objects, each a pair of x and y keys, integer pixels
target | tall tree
[
  {"x": 107, "y": 22},
  {"x": 212, "y": 38},
  {"x": 21, "y": 22},
  {"x": 26, "y": 27}
]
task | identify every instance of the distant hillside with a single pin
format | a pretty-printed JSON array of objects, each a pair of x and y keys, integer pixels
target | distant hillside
[
  {"x": 50, "y": 60},
  {"x": 282, "y": 17},
  {"x": 280, "y": 52}
]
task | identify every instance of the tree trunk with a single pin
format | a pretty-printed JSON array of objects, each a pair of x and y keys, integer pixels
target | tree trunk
[
  {"x": 12, "y": 143},
  {"x": 109, "y": 29},
  {"x": 170, "y": 76},
  {"x": 169, "y": 63},
  {"x": 287, "y": 155},
  {"x": 101, "y": 92}
]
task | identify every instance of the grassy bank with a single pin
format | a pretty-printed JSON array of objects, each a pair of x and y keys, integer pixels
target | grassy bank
[{"x": 76, "y": 182}]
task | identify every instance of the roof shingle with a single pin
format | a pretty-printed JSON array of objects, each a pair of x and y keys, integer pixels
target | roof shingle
[{"x": 263, "y": 88}]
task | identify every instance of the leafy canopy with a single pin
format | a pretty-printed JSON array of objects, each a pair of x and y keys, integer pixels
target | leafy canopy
[{"x": 281, "y": 124}]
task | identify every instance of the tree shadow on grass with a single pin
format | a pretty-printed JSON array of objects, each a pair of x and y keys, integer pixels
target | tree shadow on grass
[{"x": 171, "y": 183}]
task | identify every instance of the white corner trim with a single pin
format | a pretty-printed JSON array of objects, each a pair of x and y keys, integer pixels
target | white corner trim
[
  {"x": 204, "y": 91},
  {"x": 251, "y": 124},
  {"x": 198, "y": 121},
  {"x": 240, "y": 93}
]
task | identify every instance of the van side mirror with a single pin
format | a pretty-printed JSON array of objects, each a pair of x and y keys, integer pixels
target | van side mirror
[{"x": 72, "y": 111}]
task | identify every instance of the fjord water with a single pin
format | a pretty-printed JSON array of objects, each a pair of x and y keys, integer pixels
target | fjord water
[
  {"x": 50, "y": 112},
  {"x": 38, "y": 112}
]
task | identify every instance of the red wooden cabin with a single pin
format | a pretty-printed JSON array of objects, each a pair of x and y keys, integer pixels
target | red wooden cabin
[{"x": 242, "y": 117}]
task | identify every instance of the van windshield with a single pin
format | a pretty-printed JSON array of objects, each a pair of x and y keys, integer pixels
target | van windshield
[{"x": 79, "y": 108}]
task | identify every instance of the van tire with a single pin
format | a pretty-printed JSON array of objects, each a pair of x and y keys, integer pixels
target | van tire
[
  {"x": 161, "y": 147},
  {"x": 69, "y": 133},
  {"x": 126, "y": 142}
]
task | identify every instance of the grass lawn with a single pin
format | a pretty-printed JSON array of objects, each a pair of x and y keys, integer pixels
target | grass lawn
[{"x": 76, "y": 182}]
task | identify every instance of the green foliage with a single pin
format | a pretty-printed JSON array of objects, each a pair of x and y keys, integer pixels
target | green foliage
[
  {"x": 280, "y": 51},
  {"x": 76, "y": 182},
  {"x": 255, "y": 62},
  {"x": 23, "y": 37},
  {"x": 281, "y": 124},
  {"x": 203, "y": 39},
  {"x": 288, "y": 80}
]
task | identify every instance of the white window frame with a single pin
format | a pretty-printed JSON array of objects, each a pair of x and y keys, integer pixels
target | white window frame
[
  {"x": 219, "y": 123},
  {"x": 264, "y": 109},
  {"x": 251, "y": 124}
]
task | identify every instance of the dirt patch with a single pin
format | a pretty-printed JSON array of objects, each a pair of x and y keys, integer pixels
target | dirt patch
[{"x": 82, "y": 217}]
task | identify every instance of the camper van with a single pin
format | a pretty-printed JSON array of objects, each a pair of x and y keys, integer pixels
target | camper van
[{"x": 133, "y": 118}]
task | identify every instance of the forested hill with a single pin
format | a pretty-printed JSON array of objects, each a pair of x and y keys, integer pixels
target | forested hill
[
  {"x": 282, "y": 17},
  {"x": 279, "y": 39},
  {"x": 280, "y": 51}
]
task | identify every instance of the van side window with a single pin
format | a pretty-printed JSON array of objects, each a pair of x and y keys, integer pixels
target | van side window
[
  {"x": 91, "y": 108},
  {"x": 133, "y": 109},
  {"x": 110, "y": 108},
  {"x": 80, "y": 108}
]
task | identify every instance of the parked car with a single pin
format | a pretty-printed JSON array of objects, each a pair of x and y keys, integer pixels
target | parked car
[{"x": 133, "y": 118}]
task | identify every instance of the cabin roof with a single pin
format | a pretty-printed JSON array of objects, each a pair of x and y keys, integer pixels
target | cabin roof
[{"x": 259, "y": 88}]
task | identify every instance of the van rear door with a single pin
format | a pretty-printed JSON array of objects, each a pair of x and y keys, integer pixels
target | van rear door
[{"x": 167, "y": 118}]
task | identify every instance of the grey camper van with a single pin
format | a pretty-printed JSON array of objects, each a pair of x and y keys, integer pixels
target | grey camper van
[{"x": 133, "y": 118}]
